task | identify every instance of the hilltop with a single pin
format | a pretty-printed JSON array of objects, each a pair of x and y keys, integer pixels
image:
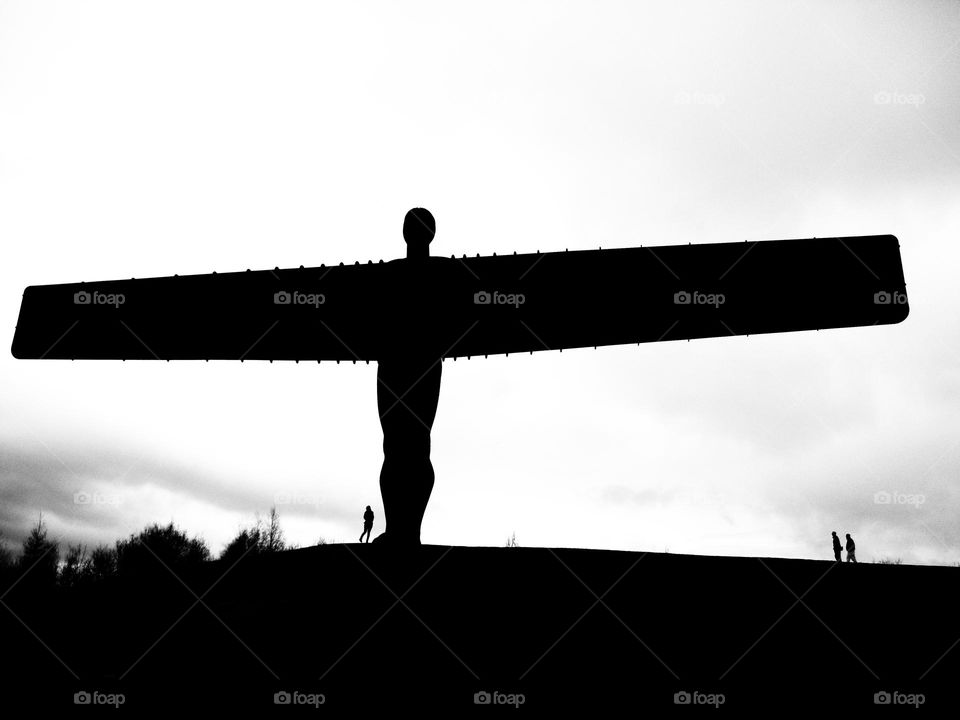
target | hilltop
[{"x": 363, "y": 626}]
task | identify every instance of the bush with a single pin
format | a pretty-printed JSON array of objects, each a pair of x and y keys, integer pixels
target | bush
[
  {"x": 156, "y": 546},
  {"x": 247, "y": 542},
  {"x": 103, "y": 563},
  {"x": 262, "y": 537}
]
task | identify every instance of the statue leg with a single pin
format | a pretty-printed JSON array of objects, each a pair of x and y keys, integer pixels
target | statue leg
[{"x": 406, "y": 478}]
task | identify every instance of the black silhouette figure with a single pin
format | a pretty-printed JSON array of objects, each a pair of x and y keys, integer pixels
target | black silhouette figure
[
  {"x": 851, "y": 549},
  {"x": 837, "y": 548},
  {"x": 367, "y": 524},
  {"x": 408, "y": 384},
  {"x": 410, "y": 314}
]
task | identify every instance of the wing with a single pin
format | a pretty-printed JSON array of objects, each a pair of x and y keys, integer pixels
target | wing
[
  {"x": 303, "y": 314},
  {"x": 448, "y": 307},
  {"x": 610, "y": 297}
]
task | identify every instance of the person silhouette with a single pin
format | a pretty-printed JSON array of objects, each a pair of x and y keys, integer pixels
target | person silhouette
[
  {"x": 367, "y": 524},
  {"x": 836, "y": 545},
  {"x": 408, "y": 380},
  {"x": 851, "y": 549}
]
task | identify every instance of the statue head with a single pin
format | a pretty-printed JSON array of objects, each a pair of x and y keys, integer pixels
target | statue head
[{"x": 419, "y": 227}]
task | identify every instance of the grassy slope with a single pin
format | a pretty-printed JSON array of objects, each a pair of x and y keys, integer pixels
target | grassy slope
[{"x": 517, "y": 620}]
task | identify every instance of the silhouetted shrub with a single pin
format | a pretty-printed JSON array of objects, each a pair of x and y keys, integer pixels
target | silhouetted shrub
[
  {"x": 103, "y": 563},
  {"x": 247, "y": 542},
  {"x": 156, "y": 546},
  {"x": 82, "y": 568},
  {"x": 262, "y": 537}
]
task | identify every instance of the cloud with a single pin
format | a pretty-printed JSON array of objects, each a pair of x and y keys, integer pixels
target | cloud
[
  {"x": 99, "y": 494},
  {"x": 311, "y": 151}
]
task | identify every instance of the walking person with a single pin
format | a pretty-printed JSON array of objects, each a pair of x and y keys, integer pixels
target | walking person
[
  {"x": 367, "y": 524},
  {"x": 851, "y": 549},
  {"x": 836, "y": 545}
]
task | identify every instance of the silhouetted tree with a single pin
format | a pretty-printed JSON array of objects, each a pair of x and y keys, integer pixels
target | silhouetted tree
[
  {"x": 156, "y": 546},
  {"x": 103, "y": 563},
  {"x": 6, "y": 557},
  {"x": 262, "y": 537},
  {"x": 272, "y": 534},
  {"x": 39, "y": 559},
  {"x": 246, "y": 542},
  {"x": 76, "y": 566}
]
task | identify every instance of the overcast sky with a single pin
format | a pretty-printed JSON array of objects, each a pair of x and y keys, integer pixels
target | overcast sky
[{"x": 150, "y": 138}]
